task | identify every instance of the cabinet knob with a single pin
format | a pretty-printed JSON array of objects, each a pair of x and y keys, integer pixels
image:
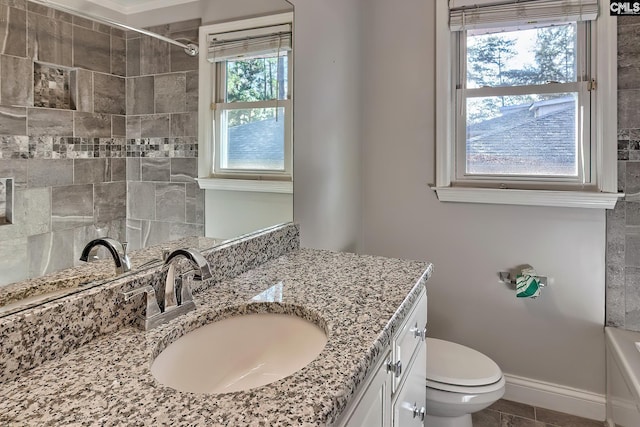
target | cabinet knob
[
  {"x": 418, "y": 412},
  {"x": 396, "y": 368},
  {"x": 419, "y": 333}
]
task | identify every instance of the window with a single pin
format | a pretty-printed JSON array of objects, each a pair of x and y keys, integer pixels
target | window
[
  {"x": 251, "y": 111},
  {"x": 249, "y": 124},
  {"x": 521, "y": 96},
  {"x": 524, "y": 112}
]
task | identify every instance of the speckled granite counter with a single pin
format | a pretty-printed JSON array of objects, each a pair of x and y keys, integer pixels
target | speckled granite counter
[
  {"x": 30, "y": 337},
  {"x": 361, "y": 300}
]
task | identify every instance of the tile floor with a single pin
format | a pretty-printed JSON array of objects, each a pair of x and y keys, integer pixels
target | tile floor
[{"x": 505, "y": 413}]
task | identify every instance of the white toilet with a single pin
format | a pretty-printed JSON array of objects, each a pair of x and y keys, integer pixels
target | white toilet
[{"x": 460, "y": 381}]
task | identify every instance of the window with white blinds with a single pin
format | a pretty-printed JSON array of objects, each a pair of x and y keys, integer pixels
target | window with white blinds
[
  {"x": 522, "y": 94},
  {"x": 252, "y": 102},
  {"x": 492, "y": 14},
  {"x": 253, "y": 42}
]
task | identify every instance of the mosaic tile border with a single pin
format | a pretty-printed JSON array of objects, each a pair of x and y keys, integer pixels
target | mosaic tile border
[
  {"x": 629, "y": 144},
  {"x": 52, "y": 147},
  {"x": 186, "y": 147}
]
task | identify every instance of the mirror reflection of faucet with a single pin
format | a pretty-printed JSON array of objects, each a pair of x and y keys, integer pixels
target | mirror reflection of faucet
[
  {"x": 177, "y": 298},
  {"x": 117, "y": 250}
]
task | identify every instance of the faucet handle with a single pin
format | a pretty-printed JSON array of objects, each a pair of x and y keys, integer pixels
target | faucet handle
[{"x": 151, "y": 303}]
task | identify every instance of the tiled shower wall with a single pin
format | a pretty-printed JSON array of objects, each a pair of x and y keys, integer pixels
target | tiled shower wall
[
  {"x": 623, "y": 223},
  {"x": 163, "y": 198},
  {"x": 97, "y": 130}
]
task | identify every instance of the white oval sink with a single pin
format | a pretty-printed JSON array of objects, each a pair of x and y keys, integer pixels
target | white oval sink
[{"x": 239, "y": 353}]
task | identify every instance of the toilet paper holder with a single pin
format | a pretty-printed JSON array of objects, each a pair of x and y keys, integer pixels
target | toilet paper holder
[{"x": 507, "y": 277}]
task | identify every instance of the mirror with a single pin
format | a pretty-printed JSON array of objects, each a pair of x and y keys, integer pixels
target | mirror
[{"x": 99, "y": 131}]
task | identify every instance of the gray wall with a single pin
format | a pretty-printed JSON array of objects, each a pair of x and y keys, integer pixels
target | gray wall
[
  {"x": 327, "y": 129},
  {"x": 555, "y": 338},
  {"x": 623, "y": 223},
  {"x": 66, "y": 86}
]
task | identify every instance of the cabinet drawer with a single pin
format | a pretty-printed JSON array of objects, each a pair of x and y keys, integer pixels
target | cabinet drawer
[
  {"x": 411, "y": 399},
  {"x": 409, "y": 338}
]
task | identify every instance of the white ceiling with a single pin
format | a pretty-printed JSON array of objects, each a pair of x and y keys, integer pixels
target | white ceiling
[{"x": 128, "y": 7}]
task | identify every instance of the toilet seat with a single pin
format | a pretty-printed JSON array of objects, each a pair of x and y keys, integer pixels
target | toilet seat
[
  {"x": 480, "y": 389},
  {"x": 456, "y": 368}
]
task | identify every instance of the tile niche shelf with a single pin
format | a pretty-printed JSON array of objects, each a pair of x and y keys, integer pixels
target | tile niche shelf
[
  {"x": 6, "y": 201},
  {"x": 54, "y": 86}
]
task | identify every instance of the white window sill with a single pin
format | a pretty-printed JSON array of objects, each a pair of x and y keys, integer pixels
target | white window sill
[
  {"x": 566, "y": 199},
  {"x": 254, "y": 185}
]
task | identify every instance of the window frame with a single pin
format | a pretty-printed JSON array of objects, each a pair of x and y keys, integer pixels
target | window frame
[
  {"x": 211, "y": 176},
  {"x": 585, "y": 98},
  {"x": 287, "y": 106},
  {"x": 599, "y": 192}
]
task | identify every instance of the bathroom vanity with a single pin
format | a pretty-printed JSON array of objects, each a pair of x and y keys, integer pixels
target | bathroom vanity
[
  {"x": 371, "y": 370},
  {"x": 394, "y": 394}
]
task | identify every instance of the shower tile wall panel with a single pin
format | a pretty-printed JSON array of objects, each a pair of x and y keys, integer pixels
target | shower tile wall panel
[
  {"x": 19, "y": 74},
  {"x": 164, "y": 200},
  {"x": 13, "y": 30},
  {"x": 623, "y": 223},
  {"x": 140, "y": 95},
  {"x": 82, "y": 90},
  {"x": 13, "y": 121},
  {"x": 49, "y": 123},
  {"x": 109, "y": 94},
  {"x": 192, "y": 91},
  {"x": 162, "y": 127},
  {"x": 170, "y": 93},
  {"x": 70, "y": 164},
  {"x": 92, "y": 125},
  {"x": 155, "y": 125},
  {"x": 92, "y": 50}
]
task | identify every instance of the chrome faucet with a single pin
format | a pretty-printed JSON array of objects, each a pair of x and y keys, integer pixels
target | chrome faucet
[
  {"x": 117, "y": 250},
  {"x": 174, "y": 285}
]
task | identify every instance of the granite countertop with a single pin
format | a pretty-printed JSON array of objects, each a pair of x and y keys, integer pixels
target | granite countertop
[{"x": 360, "y": 301}]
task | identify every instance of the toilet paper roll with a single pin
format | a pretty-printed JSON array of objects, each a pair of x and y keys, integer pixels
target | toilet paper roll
[{"x": 527, "y": 284}]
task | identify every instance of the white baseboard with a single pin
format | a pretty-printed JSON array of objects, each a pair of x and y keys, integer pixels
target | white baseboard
[{"x": 556, "y": 397}]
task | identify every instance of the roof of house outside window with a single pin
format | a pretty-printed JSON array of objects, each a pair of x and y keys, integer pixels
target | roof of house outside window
[
  {"x": 533, "y": 138},
  {"x": 257, "y": 144}
]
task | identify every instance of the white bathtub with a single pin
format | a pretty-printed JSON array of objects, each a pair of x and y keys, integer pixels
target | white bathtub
[{"x": 623, "y": 377}]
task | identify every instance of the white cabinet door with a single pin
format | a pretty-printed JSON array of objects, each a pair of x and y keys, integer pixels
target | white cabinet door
[
  {"x": 411, "y": 399},
  {"x": 411, "y": 335},
  {"x": 373, "y": 408}
]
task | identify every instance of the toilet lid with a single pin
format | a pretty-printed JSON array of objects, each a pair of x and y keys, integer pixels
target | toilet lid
[{"x": 455, "y": 364}]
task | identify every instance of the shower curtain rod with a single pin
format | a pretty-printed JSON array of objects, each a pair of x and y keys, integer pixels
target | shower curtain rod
[{"x": 190, "y": 49}]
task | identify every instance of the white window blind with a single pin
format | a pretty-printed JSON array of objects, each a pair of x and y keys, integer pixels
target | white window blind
[
  {"x": 483, "y": 14},
  {"x": 246, "y": 43}
]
